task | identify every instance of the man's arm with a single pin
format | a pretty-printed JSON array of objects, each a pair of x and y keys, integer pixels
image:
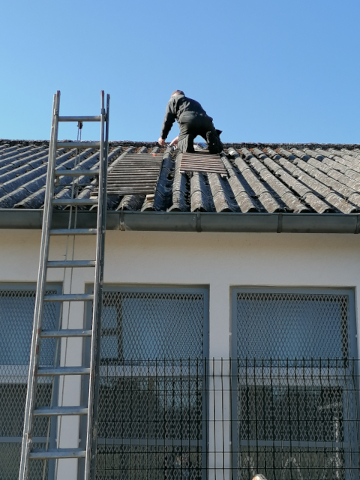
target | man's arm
[
  {"x": 170, "y": 117},
  {"x": 161, "y": 141},
  {"x": 175, "y": 141}
]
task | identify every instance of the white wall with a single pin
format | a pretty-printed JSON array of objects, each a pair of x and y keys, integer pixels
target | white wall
[{"x": 216, "y": 260}]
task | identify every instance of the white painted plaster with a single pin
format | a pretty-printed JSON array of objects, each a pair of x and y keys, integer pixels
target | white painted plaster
[{"x": 216, "y": 260}]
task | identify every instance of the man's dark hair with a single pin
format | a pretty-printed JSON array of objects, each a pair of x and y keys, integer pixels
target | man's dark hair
[{"x": 178, "y": 92}]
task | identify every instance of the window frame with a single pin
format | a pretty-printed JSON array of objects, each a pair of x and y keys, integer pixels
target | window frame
[
  {"x": 163, "y": 289},
  {"x": 176, "y": 289},
  {"x": 24, "y": 376},
  {"x": 352, "y": 326},
  {"x": 352, "y": 349}
]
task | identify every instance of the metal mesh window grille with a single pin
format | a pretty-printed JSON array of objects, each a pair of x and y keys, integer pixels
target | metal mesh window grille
[
  {"x": 296, "y": 403},
  {"x": 16, "y": 320},
  {"x": 292, "y": 325},
  {"x": 151, "y": 394},
  {"x": 146, "y": 325}
]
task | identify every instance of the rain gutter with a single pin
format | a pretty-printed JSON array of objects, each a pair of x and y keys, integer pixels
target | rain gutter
[{"x": 191, "y": 222}]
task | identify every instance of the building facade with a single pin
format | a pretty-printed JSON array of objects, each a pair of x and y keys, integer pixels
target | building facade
[
  {"x": 275, "y": 304},
  {"x": 223, "y": 353}
]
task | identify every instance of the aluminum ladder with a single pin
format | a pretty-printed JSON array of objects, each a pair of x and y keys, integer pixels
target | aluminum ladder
[{"x": 35, "y": 370}]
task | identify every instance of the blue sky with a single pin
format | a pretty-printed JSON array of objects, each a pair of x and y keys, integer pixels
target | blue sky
[{"x": 266, "y": 71}]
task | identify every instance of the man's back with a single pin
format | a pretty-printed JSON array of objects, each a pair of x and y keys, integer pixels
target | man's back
[{"x": 185, "y": 104}]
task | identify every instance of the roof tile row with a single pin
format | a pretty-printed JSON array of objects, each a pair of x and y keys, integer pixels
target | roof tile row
[{"x": 259, "y": 178}]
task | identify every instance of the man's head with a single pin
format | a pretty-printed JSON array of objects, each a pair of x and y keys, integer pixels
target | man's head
[{"x": 177, "y": 92}]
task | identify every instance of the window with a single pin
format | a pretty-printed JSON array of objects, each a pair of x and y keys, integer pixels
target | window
[
  {"x": 16, "y": 321},
  {"x": 296, "y": 401},
  {"x": 151, "y": 400}
]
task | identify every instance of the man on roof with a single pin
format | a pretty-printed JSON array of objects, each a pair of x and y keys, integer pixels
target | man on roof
[{"x": 192, "y": 120}]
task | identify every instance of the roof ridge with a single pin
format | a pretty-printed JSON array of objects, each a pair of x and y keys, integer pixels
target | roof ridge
[{"x": 274, "y": 145}]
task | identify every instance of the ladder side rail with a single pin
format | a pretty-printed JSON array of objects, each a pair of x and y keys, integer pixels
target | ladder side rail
[
  {"x": 39, "y": 299},
  {"x": 98, "y": 326},
  {"x": 91, "y": 430}
]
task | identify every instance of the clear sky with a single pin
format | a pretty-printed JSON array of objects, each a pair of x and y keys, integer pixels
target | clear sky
[{"x": 265, "y": 70}]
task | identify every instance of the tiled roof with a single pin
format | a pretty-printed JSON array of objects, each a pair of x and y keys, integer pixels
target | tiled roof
[{"x": 265, "y": 178}]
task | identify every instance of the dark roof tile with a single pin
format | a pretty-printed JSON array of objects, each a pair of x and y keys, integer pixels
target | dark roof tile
[
  {"x": 199, "y": 193},
  {"x": 221, "y": 194},
  {"x": 179, "y": 190},
  {"x": 131, "y": 202}
]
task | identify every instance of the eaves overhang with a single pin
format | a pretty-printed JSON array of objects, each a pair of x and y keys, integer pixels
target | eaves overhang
[{"x": 190, "y": 222}]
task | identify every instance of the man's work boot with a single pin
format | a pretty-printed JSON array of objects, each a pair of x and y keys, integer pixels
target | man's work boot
[{"x": 214, "y": 142}]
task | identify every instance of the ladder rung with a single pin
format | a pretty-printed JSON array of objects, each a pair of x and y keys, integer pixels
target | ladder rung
[
  {"x": 75, "y": 201},
  {"x": 71, "y": 263},
  {"x": 96, "y": 118},
  {"x": 69, "y": 297},
  {"x": 49, "y": 372},
  {"x": 74, "y": 231},
  {"x": 71, "y": 332},
  {"x": 73, "y": 173},
  {"x": 54, "y": 411},
  {"x": 58, "y": 453},
  {"x": 78, "y": 145}
]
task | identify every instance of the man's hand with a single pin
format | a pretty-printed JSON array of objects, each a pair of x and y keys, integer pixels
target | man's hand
[
  {"x": 161, "y": 141},
  {"x": 174, "y": 142}
]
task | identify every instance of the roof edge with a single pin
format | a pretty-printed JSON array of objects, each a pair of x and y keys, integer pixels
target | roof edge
[{"x": 191, "y": 222}]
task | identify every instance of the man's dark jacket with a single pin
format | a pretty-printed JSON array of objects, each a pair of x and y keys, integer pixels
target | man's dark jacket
[{"x": 175, "y": 108}]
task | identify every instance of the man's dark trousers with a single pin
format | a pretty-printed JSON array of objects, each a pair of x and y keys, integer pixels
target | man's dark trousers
[{"x": 192, "y": 124}]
